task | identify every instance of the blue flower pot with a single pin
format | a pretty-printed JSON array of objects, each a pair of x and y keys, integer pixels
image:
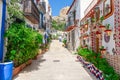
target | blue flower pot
[{"x": 6, "y": 70}]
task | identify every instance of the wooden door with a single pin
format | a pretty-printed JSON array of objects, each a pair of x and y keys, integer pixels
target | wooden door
[{"x": 97, "y": 45}]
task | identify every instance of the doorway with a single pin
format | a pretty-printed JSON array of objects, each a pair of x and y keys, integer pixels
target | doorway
[{"x": 97, "y": 44}]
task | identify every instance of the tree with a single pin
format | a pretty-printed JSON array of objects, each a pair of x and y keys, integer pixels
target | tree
[
  {"x": 14, "y": 10},
  {"x": 58, "y": 26}
]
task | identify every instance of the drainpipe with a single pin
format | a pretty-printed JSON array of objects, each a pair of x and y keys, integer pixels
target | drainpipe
[{"x": 2, "y": 30}]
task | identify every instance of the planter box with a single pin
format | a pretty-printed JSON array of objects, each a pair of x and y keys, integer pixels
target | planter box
[
  {"x": 16, "y": 70},
  {"x": 29, "y": 62},
  {"x": 21, "y": 67},
  {"x": 36, "y": 57}
]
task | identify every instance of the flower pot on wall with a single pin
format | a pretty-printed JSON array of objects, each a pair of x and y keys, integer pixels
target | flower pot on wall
[
  {"x": 98, "y": 34},
  {"x": 102, "y": 51},
  {"x": 102, "y": 27},
  {"x": 108, "y": 32},
  {"x": 6, "y": 70}
]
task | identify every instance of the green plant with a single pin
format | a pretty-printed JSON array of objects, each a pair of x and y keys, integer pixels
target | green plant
[
  {"x": 100, "y": 63},
  {"x": 101, "y": 19},
  {"x": 107, "y": 26},
  {"x": 58, "y": 25},
  {"x": 23, "y": 43},
  {"x": 14, "y": 10},
  {"x": 102, "y": 47},
  {"x": 64, "y": 41},
  {"x": 93, "y": 20}
]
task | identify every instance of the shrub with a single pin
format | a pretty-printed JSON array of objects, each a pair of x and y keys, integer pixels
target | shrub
[
  {"x": 23, "y": 43},
  {"x": 100, "y": 63},
  {"x": 64, "y": 41}
]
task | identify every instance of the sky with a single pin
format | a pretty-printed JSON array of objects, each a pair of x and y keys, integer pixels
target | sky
[{"x": 57, "y": 5}]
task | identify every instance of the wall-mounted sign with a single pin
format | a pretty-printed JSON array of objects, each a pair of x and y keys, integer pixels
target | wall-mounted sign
[{"x": 106, "y": 38}]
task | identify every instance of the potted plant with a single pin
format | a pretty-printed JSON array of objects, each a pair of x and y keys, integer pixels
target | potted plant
[
  {"x": 85, "y": 46},
  {"x": 93, "y": 20},
  {"x": 65, "y": 42},
  {"x": 6, "y": 70},
  {"x": 101, "y": 25},
  {"x": 102, "y": 50},
  {"x": 108, "y": 30}
]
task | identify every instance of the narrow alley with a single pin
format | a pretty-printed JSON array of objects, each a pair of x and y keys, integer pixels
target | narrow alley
[
  {"x": 59, "y": 39},
  {"x": 56, "y": 64}
]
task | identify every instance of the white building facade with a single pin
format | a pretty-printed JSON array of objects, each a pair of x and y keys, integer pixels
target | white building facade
[
  {"x": 72, "y": 25},
  {"x": 100, "y": 27}
]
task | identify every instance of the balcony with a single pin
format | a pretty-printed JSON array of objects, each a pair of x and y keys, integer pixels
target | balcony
[
  {"x": 42, "y": 6},
  {"x": 31, "y": 11}
]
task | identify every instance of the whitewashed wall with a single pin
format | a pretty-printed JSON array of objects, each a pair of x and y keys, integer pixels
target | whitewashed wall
[
  {"x": 75, "y": 7},
  {"x": 77, "y": 30},
  {"x": 111, "y": 44}
]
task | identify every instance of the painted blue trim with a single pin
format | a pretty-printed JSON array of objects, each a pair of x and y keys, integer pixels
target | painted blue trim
[
  {"x": 42, "y": 20},
  {"x": 2, "y": 30}
]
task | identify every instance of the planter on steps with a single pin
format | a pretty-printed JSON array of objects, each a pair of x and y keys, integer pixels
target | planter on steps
[{"x": 21, "y": 67}]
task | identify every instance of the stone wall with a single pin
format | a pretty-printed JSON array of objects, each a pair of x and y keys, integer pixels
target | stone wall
[
  {"x": 114, "y": 61},
  {"x": 117, "y": 26}
]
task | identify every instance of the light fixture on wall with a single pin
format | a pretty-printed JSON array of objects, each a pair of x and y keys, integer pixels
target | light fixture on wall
[
  {"x": 86, "y": 26},
  {"x": 85, "y": 37}
]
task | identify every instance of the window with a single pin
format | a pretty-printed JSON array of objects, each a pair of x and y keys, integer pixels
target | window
[
  {"x": 74, "y": 16},
  {"x": 108, "y": 8},
  {"x": 97, "y": 13}
]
